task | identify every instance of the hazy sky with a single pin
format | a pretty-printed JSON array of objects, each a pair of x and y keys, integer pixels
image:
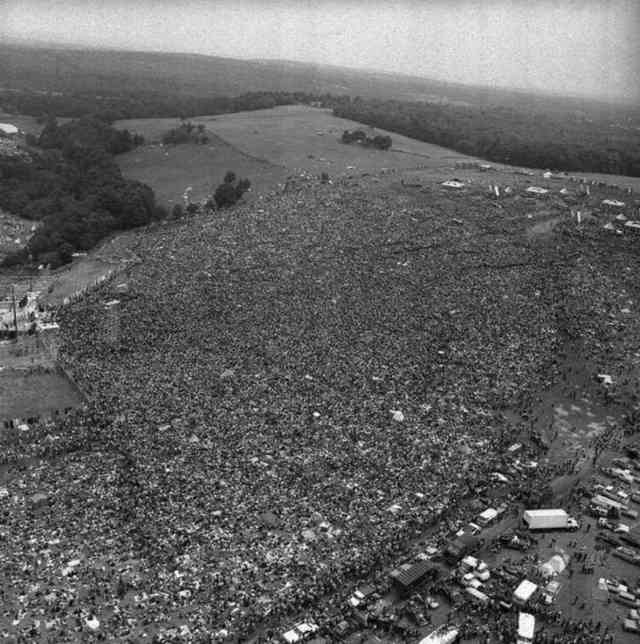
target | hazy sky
[{"x": 571, "y": 46}]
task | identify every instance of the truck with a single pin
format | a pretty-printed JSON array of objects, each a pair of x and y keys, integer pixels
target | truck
[{"x": 549, "y": 519}]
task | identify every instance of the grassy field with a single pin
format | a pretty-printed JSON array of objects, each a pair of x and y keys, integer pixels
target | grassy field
[
  {"x": 169, "y": 170},
  {"x": 260, "y": 144},
  {"x": 23, "y": 395},
  {"x": 308, "y": 138},
  {"x": 266, "y": 146}
]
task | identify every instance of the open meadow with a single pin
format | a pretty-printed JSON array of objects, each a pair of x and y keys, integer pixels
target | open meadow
[
  {"x": 266, "y": 146},
  {"x": 25, "y": 394},
  {"x": 171, "y": 169}
]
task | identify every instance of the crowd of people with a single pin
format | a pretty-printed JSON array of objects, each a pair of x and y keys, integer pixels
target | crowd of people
[{"x": 297, "y": 388}]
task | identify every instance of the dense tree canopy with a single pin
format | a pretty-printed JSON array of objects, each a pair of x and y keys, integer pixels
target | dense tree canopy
[
  {"x": 508, "y": 135},
  {"x": 74, "y": 188},
  {"x": 230, "y": 190}
]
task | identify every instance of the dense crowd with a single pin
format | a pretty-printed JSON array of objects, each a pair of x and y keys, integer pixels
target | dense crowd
[{"x": 297, "y": 388}]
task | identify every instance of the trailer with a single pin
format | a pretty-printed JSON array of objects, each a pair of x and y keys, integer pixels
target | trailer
[
  {"x": 526, "y": 628},
  {"x": 549, "y": 519}
]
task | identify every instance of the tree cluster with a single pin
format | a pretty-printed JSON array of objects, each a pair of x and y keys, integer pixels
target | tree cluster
[
  {"x": 505, "y": 134},
  {"x": 379, "y": 141},
  {"x": 230, "y": 190},
  {"x": 186, "y": 132},
  {"x": 88, "y": 132},
  {"x": 74, "y": 188}
]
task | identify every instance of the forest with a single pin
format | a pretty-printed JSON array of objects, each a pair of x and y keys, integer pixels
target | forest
[
  {"x": 113, "y": 106},
  {"x": 506, "y": 135},
  {"x": 73, "y": 187}
]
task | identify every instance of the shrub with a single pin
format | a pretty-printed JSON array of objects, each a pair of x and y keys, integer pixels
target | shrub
[{"x": 230, "y": 190}]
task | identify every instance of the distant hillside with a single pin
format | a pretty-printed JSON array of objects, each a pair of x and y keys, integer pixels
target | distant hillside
[{"x": 52, "y": 69}]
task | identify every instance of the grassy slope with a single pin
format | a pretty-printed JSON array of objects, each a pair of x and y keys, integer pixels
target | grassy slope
[{"x": 265, "y": 146}]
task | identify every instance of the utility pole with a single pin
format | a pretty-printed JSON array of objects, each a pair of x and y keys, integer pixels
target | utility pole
[{"x": 15, "y": 316}]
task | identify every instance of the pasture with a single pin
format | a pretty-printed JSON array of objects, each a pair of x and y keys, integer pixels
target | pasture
[
  {"x": 307, "y": 138},
  {"x": 266, "y": 146},
  {"x": 170, "y": 169}
]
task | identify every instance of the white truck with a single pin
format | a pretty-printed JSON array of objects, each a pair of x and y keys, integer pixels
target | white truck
[{"x": 549, "y": 519}]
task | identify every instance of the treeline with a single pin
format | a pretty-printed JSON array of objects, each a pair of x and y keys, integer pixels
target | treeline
[
  {"x": 74, "y": 188},
  {"x": 506, "y": 135},
  {"x": 380, "y": 141},
  {"x": 186, "y": 133},
  {"x": 88, "y": 132},
  {"x": 121, "y": 105}
]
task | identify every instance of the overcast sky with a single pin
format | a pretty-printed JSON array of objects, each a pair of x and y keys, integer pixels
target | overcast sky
[{"x": 570, "y": 46}]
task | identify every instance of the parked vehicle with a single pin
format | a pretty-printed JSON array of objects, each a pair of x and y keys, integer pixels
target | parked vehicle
[{"x": 549, "y": 519}]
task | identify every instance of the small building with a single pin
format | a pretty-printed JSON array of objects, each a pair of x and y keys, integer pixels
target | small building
[
  {"x": 453, "y": 184},
  {"x": 536, "y": 190},
  {"x": 408, "y": 576}
]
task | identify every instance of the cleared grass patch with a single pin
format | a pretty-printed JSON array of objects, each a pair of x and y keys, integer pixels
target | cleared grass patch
[
  {"x": 266, "y": 146},
  {"x": 169, "y": 170},
  {"x": 24, "y": 394}
]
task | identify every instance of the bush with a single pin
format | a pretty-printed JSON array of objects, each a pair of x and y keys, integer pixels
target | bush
[{"x": 230, "y": 190}]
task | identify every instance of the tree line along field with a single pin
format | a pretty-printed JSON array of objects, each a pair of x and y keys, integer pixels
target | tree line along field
[{"x": 266, "y": 146}]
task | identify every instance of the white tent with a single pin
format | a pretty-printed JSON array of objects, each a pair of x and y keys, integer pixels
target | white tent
[
  {"x": 7, "y": 128},
  {"x": 554, "y": 566},
  {"x": 443, "y": 635}
]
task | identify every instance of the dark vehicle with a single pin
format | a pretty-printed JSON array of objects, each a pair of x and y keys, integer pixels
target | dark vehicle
[
  {"x": 633, "y": 451},
  {"x": 460, "y": 547},
  {"x": 633, "y": 539}
]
